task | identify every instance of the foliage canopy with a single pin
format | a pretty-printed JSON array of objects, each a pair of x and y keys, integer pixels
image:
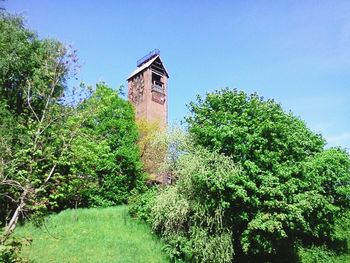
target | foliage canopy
[
  {"x": 255, "y": 185},
  {"x": 57, "y": 152},
  {"x": 106, "y": 149},
  {"x": 295, "y": 189}
]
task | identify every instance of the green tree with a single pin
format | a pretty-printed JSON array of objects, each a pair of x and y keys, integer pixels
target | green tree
[
  {"x": 295, "y": 191},
  {"x": 35, "y": 135},
  {"x": 57, "y": 151},
  {"x": 192, "y": 214},
  {"x": 27, "y": 66},
  {"x": 107, "y": 147}
]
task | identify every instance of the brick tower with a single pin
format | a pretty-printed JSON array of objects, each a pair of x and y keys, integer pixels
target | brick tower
[{"x": 148, "y": 89}]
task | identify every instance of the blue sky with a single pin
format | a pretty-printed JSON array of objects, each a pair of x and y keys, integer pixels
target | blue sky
[{"x": 297, "y": 52}]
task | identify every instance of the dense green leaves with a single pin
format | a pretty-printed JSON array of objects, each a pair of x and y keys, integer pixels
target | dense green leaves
[
  {"x": 297, "y": 190},
  {"x": 34, "y": 134},
  {"x": 256, "y": 185},
  {"x": 192, "y": 215},
  {"x": 254, "y": 132},
  {"x": 58, "y": 152},
  {"x": 29, "y": 67},
  {"x": 107, "y": 148}
]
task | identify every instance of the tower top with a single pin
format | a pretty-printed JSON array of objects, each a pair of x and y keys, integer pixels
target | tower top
[
  {"x": 152, "y": 60},
  {"x": 149, "y": 56},
  {"x": 148, "y": 89}
]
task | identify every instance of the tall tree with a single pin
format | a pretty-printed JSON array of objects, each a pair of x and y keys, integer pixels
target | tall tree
[
  {"x": 297, "y": 190},
  {"x": 152, "y": 146},
  {"x": 32, "y": 80},
  {"x": 30, "y": 67},
  {"x": 109, "y": 137}
]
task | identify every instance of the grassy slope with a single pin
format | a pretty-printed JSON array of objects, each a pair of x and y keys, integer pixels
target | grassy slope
[
  {"x": 110, "y": 235},
  {"x": 92, "y": 235}
]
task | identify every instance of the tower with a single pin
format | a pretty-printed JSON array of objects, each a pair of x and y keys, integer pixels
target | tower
[{"x": 148, "y": 89}]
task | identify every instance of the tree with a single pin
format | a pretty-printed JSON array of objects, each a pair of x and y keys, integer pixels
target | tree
[
  {"x": 27, "y": 67},
  {"x": 58, "y": 152},
  {"x": 295, "y": 191},
  {"x": 106, "y": 149},
  {"x": 152, "y": 146},
  {"x": 191, "y": 215},
  {"x": 37, "y": 137}
]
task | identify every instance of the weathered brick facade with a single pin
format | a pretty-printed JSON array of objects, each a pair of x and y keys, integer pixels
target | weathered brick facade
[{"x": 148, "y": 89}]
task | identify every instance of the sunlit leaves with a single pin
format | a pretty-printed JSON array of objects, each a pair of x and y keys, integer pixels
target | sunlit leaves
[{"x": 297, "y": 189}]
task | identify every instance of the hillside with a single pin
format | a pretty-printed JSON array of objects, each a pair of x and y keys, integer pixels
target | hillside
[{"x": 92, "y": 235}]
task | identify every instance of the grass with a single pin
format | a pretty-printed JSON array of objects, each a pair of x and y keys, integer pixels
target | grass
[
  {"x": 109, "y": 235},
  {"x": 92, "y": 235}
]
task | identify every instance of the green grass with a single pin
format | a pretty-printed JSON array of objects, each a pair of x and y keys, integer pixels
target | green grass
[
  {"x": 109, "y": 235},
  {"x": 92, "y": 235}
]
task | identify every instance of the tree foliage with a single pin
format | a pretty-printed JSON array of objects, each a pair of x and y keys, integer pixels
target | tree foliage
[
  {"x": 192, "y": 215},
  {"x": 35, "y": 137},
  {"x": 57, "y": 151},
  {"x": 254, "y": 184},
  {"x": 29, "y": 67},
  {"x": 152, "y": 146},
  {"x": 295, "y": 190},
  {"x": 106, "y": 150},
  {"x": 35, "y": 134}
]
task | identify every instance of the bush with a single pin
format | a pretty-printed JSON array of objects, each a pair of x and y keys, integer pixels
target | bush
[
  {"x": 10, "y": 249},
  {"x": 169, "y": 212},
  {"x": 316, "y": 254},
  {"x": 140, "y": 203},
  {"x": 191, "y": 215}
]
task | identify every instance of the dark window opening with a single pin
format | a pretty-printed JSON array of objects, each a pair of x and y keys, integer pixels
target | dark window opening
[{"x": 157, "y": 84}]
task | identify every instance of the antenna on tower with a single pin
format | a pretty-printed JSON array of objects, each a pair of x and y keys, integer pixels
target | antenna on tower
[{"x": 148, "y": 57}]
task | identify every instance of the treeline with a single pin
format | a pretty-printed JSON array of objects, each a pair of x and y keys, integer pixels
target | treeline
[
  {"x": 60, "y": 147},
  {"x": 253, "y": 184}
]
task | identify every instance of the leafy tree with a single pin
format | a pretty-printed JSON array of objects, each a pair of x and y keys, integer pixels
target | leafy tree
[
  {"x": 27, "y": 65},
  {"x": 192, "y": 215},
  {"x": 33, "y": 120},
  {"x": 152, "y": 147},
  {"x": 295, "y": 190},
  {"x": 55, "y": 151},
  {"x": 107, "y": 149},
  {"x": 58, "y": 152}
]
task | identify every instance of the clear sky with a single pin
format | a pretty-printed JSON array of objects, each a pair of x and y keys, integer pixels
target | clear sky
[{"x": 297, "y": 52}]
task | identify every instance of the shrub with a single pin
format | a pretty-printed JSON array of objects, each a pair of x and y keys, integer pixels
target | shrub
[
  {"x": 169, "y": 212},
  {"x": 140, "y": 204},
  {"x": 316, "y": 254},
  {"x": 191, "y": 215},
  {"x": 10, "y": 248}
]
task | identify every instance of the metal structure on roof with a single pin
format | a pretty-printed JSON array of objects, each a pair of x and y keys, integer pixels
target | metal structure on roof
[
  {"x": 155, "y": 62},
  {"x": 149, "y": 56}
]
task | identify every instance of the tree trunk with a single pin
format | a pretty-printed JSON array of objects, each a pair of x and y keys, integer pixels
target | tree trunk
[{"x": 14, "y": 219}]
